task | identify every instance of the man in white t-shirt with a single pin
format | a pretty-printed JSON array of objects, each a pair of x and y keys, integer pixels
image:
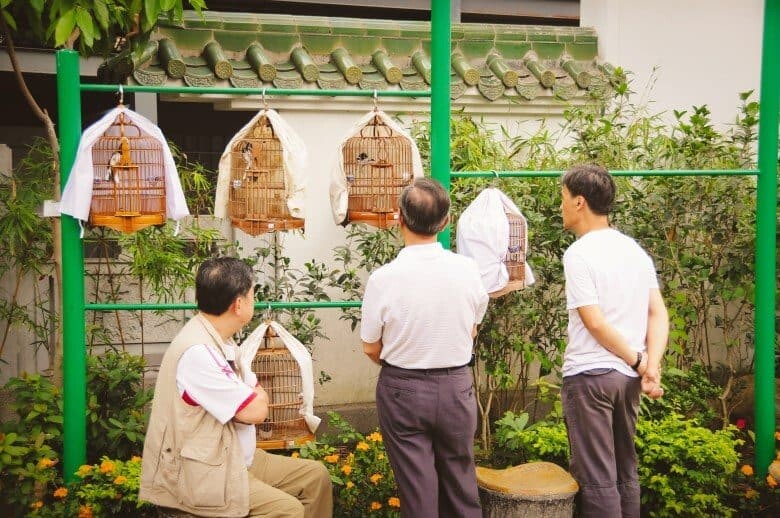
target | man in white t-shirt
[
  {"x": 618, "y": 328},
  {"x": 419, "y": 320},
  {"x": 200, "y": 451}
]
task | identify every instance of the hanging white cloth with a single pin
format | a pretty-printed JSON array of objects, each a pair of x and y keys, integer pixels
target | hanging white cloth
[
  {"x": 294, "y": 157},
  {"x": 339, "y": 192},
  {"x": 249, "y": 348},
  {"x": 483, "y": 235},
  {"x": 77, "y": 195}
]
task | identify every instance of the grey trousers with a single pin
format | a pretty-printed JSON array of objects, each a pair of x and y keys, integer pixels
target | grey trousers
[
  {"x": 601, "y": 412},
  {"x": 428, "y": 420}
]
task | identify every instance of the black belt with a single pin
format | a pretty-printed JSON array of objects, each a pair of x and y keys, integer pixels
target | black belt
[{"x": 437, "y": 370}]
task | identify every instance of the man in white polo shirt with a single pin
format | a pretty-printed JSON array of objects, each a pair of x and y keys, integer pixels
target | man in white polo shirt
[
  {"x": 618, "y": 328},
  {"x": 200, "y": 451},
  {"x": 419, "y": 319}
]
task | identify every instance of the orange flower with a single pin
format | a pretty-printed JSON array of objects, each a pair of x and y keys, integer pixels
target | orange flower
[
  {"x": 60, "y": 492},
  {"x": 121, "y": 479},
  {"x": 84, "y": 470},
  {"x": 295, "y": 455},
  {"x": 107, "y": 466},
  {"x": 375, "y": 506},
  {"x": 777, "y": 436},
  {"x": 394, "y": 501},
  {"x": 375, "y": 478},
  {"x": 771, "y": 482},
  {"x": 135, "y": 458},
  {"x": 751, "y": 494},
  {"x": 346, "y": 469},
  {"x": 350, "y": 484},
  {"x": 85, "y": 511},
  {"x": 332, "y": 459},
  {"x": 375, "y": 437},
  {"x": 36, "y": 505},
  {"x": 746, "y": 470},
  {"x": 362, "y": 446},
  {"x": 45, "y": 463}
]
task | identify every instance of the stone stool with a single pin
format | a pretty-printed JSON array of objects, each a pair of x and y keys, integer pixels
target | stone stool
[{"x": 527, "y": 491}]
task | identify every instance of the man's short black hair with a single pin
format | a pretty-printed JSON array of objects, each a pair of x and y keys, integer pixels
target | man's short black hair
[
  {"x": 220, "y": 281},
  {"x": 594, "y": 183},
  {"x": 424, "y": 205}
]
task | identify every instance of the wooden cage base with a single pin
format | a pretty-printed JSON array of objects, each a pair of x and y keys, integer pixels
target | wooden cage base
[
  {"x": 375, "y": 219},
  {"x": 126, "y": 224},
  {"x": 510, "y": 286},
  {"x": 257, "y": 227},
  {"x": 286, "y": 444}
]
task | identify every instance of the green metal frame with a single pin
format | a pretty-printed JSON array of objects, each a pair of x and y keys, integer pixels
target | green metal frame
[{"x": 69, "y": 90}]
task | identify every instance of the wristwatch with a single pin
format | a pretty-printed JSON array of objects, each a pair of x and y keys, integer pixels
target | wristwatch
[{"x": 638, "y": 360}]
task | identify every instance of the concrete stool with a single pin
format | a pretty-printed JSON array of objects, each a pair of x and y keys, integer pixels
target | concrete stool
[{"x": 527, "y": 491}]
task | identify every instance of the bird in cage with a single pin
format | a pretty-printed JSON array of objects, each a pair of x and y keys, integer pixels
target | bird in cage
[
  {"x": 246, "y": 155},
  {"x": 113, "y": 161}
]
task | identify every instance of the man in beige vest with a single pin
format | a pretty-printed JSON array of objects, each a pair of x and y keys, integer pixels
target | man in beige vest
[{"x": 200, "y": 451}]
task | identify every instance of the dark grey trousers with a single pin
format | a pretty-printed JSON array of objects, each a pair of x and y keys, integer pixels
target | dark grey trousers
[
  {"x": 428, "y": 420},
  {"x": 601, "y": 412}
]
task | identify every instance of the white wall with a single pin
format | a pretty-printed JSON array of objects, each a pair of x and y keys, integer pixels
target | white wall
[{"x": 707, "y": 50}]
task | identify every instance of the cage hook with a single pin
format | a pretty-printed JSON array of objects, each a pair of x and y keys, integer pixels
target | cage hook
[
  {"x": 494, "y": 182},
  {"x": 121, "y": 95},
  {"x": 267, "y": 313},
  {"x": 376, "y": 100},
  {"x": 265, "y": 103}
]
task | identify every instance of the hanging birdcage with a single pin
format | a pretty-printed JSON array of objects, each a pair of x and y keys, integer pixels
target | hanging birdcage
[
  {"x": 280, "y": 375},
  {"x": 258, "y": 191},
  {"x": 515, "y": 256},
  {"x": 377, "y": 166},
  {"x": 128, "y": 187}
]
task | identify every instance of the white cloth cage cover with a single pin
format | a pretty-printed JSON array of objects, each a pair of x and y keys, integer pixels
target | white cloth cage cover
[
  {"x": 77, "y": 195},
  {"x": 483, "y": 235},
  {"x": 339, "y": 190},
  {"x": 248, "y": 351},
  {"x": 294, "y": 157}
]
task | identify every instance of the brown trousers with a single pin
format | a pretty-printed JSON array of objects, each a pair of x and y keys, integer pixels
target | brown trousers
[
  {"x": 282, "y": 486},
  {"x": 428, "y": 420},
  {"x": 600, "y": 408}
]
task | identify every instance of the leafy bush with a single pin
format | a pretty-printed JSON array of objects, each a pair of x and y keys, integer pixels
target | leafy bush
[
  {"x": 363, "y": 483},
  {"x": 117, "y": 405},
  {"x": 544, "y": 440},
  {"x": 684, "y": 469},
  {"x": 106, "y": 489}
]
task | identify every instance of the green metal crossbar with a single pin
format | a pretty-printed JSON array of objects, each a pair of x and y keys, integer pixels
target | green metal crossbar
[{"x": 74, "y": 340}]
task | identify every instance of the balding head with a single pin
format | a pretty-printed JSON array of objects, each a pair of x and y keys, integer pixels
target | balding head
[{"x": 424, "y": 206}]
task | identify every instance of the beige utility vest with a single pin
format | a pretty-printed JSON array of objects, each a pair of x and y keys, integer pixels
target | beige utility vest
[{"x": 191, "y": 461}]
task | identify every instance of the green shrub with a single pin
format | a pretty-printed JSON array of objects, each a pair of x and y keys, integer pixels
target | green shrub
[
  {"x": 362, "y": 478},
  {"x": 684, "y": 469},
  {"x": 544, "y": 440},
  {"x": 117, "y": 405},
  {"x": 106, "y": 489}
]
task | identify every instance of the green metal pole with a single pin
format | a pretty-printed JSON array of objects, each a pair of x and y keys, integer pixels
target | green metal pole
[
  {"x": 207, "y": 90},
  {"x": 766, "y": 241},
  {"x": 627, "y": 172},
  {"x": 74, "y": 361},
  {"x": 178, "y": 306},
  {"x": 440, "y": 99}
]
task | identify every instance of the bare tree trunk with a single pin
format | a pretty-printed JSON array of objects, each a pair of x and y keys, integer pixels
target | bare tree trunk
[{"x": 51, "y": 134}]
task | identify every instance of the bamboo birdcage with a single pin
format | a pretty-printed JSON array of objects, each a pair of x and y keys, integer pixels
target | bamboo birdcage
[
  {"x": 258, "y": 190},
  {"x": 280, "y": 375},
  {"x": 377, "y": 166},
  {"x": 515, "y": 256},
  {"x": 128, "y": 187}
]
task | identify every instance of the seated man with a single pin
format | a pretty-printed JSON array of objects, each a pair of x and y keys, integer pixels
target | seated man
[{"x": 200, "y": 451}]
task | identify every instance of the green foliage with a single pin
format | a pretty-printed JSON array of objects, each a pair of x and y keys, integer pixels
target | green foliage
[
  {"x": 363, "y": 482},
  {"x": 95, "y": 23},
  {"x": 116, "y": 424},
  {"x": 26, "y": 247},
  {"x": 106, "y": 489},
  {"x": 684, "y": 468},
  {"x": 543, "y": 440},
  {"x": 117, "y": 405},
  {"x": 688, "y": 393}
]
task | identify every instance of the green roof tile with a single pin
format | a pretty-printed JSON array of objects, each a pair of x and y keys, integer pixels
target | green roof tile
[{"x": 251, "y": 50}]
